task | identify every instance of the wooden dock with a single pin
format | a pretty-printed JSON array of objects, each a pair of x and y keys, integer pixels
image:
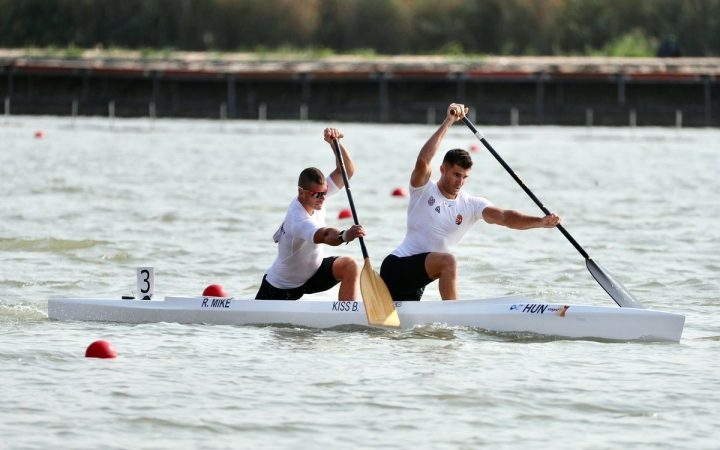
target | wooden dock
[{"x": 399, "y": 89}]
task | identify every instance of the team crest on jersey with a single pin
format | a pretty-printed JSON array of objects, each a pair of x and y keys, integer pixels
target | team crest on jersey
[
  {"x": 437, "y": 209},
  {"x": 278, "y": 234},
  {"x": 431, "y": 200},
  {"x": 458, "y": 219}
]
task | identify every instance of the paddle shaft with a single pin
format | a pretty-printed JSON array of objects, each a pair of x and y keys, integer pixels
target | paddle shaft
[
  {"x": 522, "y": 185},
  {"x": 338, "y": 154},
  {"x": 615, "y": 289},
  {"x": 379, "y": 306}
]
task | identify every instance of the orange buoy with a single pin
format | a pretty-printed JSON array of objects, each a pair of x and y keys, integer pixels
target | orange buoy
[
  {"x": 100, "y": 349},
  {"x": 215, "y": 290},
  {"x": 400, "y": 192},
  {"x": 39, "y": 134},
  {"x": 345, "y": 214}
]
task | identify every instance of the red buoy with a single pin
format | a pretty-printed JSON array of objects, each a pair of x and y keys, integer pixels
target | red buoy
[
  {"x": 345, "y": 214},
  {"x": 100, "y": 349},
  {"x": 39, "y": 134},
  {"x": 474, "y": 147},
  {"x": 400, "y": 192},
  {"x": 215, "y": 290}
]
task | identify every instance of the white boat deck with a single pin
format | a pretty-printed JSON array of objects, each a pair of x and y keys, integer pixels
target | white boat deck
[{"x": 502, "y": 314}]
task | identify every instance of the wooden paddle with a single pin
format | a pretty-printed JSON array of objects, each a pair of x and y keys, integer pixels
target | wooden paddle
[
  {"x": 612, "y": 286},
  {"x": 379, "y": 305}
]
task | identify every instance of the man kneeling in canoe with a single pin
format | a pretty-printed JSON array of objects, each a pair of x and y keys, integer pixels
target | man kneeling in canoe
[
  {"x": 439, "y": 214},
  {"x": 300, "y": 267}
]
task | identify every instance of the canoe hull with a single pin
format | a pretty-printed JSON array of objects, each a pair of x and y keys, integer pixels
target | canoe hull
[{"x": 517, "y": 314}]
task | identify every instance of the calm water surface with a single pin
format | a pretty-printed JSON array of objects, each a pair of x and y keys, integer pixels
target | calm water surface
[{"x": 86, "y": 205}]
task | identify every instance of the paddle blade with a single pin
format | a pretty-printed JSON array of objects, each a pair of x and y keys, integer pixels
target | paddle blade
[
  {"x": 379, "y": 306},
  {"x": 613, "y": 287}
]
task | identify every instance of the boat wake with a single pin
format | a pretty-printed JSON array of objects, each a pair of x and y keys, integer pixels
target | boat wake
[
  {"x": 434, "y": 331},
  {"x": 18, "y": 313}
]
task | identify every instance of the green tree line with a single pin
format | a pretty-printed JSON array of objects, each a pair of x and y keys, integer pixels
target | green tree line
[{"x": 503, "y": 27}]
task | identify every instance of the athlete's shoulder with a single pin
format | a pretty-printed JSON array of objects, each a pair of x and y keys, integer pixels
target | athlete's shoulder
[
  {"x": 295, "y": 213},
  {"x": 476, "y": 202},
  {"x": 420, "y": 190}
]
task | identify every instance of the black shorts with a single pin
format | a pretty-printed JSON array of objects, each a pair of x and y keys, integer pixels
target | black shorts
[
  {"x": 321, "y": 281},
  {"x": 406, "y": 276}
]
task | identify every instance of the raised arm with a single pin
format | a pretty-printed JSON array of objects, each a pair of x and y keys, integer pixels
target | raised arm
[
  {"x": 518, "y": 221},
  {"x": 423, "y": 169},
  {"x": 329, "y": 135}
]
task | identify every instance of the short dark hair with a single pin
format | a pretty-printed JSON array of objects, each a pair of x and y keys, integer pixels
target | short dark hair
[
  {"x": 458, "y": 156},
  {"x": 310, "y": 176}
]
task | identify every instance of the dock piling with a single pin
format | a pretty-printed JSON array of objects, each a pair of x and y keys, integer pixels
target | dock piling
[
  {"x": 152, "y": 114},
  {"x": 223, "y": 115},
  {"x": 514, "y": 117},
  {"x": 74, "y": 110}
]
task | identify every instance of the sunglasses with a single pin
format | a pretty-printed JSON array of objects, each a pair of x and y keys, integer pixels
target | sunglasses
[{"x": 316, "y": 194}]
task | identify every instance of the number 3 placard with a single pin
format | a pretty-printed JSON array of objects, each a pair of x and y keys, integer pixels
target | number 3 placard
[{"x": 145, "y": 283}]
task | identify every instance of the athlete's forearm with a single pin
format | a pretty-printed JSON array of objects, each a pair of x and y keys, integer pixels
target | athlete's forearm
[
  {"x": 349, "y": 164},
  {"x": 429, "y": 150},
  {"x": 519, "y": 221},
  {"x": 328, "y": 236}
]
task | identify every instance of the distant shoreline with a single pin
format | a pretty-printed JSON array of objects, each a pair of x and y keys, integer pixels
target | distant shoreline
[{"x": 229, "y": 62}]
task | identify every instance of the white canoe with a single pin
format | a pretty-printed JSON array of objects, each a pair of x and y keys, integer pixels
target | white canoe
[{"x": 513, "y": 314}]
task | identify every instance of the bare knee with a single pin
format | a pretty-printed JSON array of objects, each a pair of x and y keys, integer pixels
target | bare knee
[
  {"x": 449, "y": 261},
  {"x": 440, "y": 264},
  {"x": 346, "y": 268}
]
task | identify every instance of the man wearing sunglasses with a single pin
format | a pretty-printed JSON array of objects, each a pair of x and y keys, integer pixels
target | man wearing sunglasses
[
  {"x": 439, "y": 214},
  {"x": 300, "y": 267}
]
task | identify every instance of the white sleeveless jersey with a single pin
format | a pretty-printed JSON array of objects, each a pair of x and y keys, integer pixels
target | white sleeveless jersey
[
  {"x": 434, "y": 222},
  {"x": 298, "y": 256}
]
